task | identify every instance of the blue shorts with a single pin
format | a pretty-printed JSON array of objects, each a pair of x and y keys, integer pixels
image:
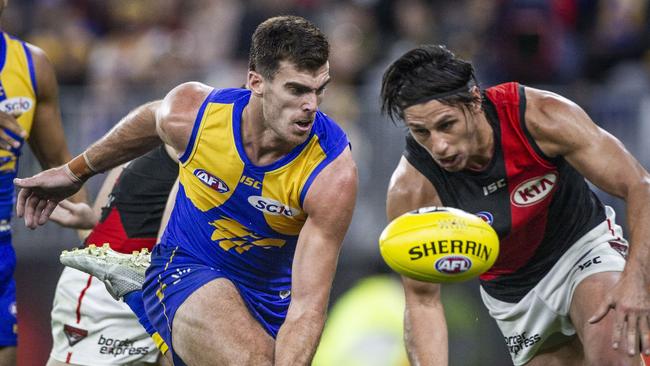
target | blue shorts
[
  {"x": 175, "y": 274},
  {"x": 8, "y": 326}
]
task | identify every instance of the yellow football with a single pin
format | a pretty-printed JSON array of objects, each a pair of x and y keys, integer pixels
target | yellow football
[{"x": 439, "y": 244}]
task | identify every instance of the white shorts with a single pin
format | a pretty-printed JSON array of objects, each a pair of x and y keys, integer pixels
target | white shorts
[
  {"x": 541, "y": 319},
  {"x": 91, "y": 328}
]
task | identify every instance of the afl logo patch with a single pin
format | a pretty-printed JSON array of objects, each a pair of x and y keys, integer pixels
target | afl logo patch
[
  {"x": 272, "y": 207},
  {"x": 211, "y": 181},
  {"x": 533, "y": 190},
  {"x": 486, "y": 216},
  {"x": 16, "y": 105},
  {"x": 453, "y": 264}
]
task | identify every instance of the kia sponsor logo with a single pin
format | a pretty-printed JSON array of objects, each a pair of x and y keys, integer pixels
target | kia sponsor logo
[
  {"x": 16, "y": 105},
  {"x": 211, "y": 181},
  {"x": 272, "y": 207},
  {"x": 453, "y": 264},
  {"x": 533, "y": 190}
]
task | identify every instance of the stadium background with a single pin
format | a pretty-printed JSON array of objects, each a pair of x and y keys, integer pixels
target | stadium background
[{"x": 112, "y": 55}]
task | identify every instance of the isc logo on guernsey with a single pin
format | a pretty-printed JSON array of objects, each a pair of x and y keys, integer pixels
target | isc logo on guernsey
[{"x": 272, "y": 207}]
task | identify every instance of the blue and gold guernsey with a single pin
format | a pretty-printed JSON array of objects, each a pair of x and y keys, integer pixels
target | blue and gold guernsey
[
  {"x": 18, "y": 92},
  {"x": 235, "y": 219}
]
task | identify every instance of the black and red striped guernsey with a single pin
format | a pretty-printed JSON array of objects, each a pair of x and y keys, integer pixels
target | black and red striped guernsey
[
  {"x": 135, "y": 207},
  {"x": 539, "y": 206}
]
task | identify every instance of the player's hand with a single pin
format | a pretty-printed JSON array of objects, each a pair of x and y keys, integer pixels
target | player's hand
[
  {"x": 630, "y": 301},
  {"x": 74, "y": 215},
  {"x": 40, "y": 194},
  {"x": 11, "y": 134}
]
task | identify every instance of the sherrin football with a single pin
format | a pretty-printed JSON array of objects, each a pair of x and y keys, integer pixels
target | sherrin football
[{"x": 439, "y": 244}]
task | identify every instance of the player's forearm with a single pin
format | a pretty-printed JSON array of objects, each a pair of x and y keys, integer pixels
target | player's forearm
[
  {"x": 134, "y": 135},
  {"x": 298, "y": 338},
  {"x": 638, "y": 216},
  {"x": 425, "y": 333}
]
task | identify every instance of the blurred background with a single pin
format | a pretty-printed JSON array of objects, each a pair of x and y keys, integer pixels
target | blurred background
[{"x": 112, "y": 55}]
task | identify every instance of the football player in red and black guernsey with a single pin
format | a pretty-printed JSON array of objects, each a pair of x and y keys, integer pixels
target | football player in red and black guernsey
[{"x": 564, "y": 289}]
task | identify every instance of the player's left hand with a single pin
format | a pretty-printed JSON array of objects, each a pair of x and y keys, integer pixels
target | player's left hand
[
  {"x": 630, "y": 301},
  {"x": 74, "y": 215}
]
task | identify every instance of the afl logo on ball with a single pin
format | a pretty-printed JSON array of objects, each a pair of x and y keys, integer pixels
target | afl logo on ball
[
  {"x": 486, "y": 216},
  {"x": 211, "y": 181},
  {"x": 533, "y": 190},
  {"x": 453, "y": 264}
]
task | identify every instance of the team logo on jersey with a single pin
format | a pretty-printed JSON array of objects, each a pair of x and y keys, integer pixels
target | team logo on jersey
[
  {"x": 230, "y": 234},
  {"x": 272, "y": 207},
  {"x": 73, "y": 334},
  {"x": 485, "y": 216},
  {"x": 211, "y": 181},
  {"x": 16, "y": 105},
  {"x": 533, "y": 190}
]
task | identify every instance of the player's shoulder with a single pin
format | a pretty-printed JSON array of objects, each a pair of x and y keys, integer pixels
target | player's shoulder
[{"x": 408, "y": 190}]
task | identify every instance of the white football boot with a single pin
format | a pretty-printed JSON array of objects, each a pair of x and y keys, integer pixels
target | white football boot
[{"x": 121, "y": 273}]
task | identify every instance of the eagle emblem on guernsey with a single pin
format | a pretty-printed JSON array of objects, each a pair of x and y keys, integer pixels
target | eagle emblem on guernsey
[{"x": 230, "y": 234}]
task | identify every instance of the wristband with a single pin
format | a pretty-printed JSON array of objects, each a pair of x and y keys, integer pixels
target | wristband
[{"x": 81, "y": 168}]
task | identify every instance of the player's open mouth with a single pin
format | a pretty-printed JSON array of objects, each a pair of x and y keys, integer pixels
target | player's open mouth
[
  {"x": 304, "y": 124},
  {"x": 450, "y": 161}
]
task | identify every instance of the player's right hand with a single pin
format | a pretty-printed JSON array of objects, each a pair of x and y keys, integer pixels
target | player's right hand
[
  {"x": 74, "y": 215},
  {"x": 40, "y": 194},
  {"x": 10, "y": 131}
]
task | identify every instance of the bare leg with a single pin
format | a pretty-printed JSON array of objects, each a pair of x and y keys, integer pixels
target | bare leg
[{"x": 214, "y": 327}]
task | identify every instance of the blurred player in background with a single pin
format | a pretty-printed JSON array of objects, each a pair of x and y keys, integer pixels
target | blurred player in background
[
  {"x": 243, "y": 272},
  {"x": 29, "y": 111},
  {"x": 89, "y": 327},
  {"x": 518, "y": 157}
]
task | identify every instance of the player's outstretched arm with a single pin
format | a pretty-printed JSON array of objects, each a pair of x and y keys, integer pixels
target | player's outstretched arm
[
  {"x": 425, "y": 327},
  {"x": 170, "y": 120},
  {"x": 561, "y": 128},
  {"x": 329, "y": 204}
]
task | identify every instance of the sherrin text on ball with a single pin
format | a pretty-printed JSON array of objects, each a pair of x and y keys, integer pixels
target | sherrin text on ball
[{"x": 439, "y": 244}]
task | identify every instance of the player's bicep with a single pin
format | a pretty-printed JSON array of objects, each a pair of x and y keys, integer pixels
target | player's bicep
[
  {"x": 562, "y": 128},
  {"x": 329, "y": 205},
  {"x": 409, "y": 190}
]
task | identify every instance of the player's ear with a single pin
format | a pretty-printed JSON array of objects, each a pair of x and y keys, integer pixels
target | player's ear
[
  {"x": 476, "y": 104},
  {"x": 255, "y": 83}
]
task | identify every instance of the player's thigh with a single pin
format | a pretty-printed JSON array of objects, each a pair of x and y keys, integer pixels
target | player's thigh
[
  {"x": 565, "y": 354},
  {"x": 597, "y": 338},
  {"x": 214, "y": 327}
]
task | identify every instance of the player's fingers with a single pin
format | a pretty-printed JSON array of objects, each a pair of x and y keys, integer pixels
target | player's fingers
[
  {"x": 601, "y": 311},
  {"x": 47, "y": 211},
  {"x": 632, "y": 335},
  {"x": 20, "y": 202},
  {"x": 645, "y": 335},
  {"x": 38, "y": 211},
  {"x": 66, "y": 204},
  {"x": 619, "y": 327},
  {"x": 30, "y": 206}
]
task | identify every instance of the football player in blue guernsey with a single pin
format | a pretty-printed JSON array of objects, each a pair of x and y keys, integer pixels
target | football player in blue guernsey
[
  {"x": 564, "y": 290},
  {"x": 29, "y": 111},
  {"x": 243, "y": 272}
]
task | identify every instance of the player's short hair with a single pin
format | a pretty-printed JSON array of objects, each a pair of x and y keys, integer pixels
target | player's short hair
[
  {"x": 287, "y": 38},
  {"x": 425, "y": 73}
]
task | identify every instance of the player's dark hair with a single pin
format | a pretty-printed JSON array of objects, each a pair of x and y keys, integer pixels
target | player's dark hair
[
  {"x": 287, "y": 38},
  {"x": 425, "y": 73}
]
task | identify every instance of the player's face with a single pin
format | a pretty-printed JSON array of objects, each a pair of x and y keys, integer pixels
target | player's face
[
  {"x": 447, "y": 132},
  {"x": 291, "y": 99}
]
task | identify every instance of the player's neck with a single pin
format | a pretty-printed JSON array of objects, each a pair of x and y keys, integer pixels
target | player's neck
[
  {"x": 484, "y": 144},
  {"x": 261, "y": 144}
]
